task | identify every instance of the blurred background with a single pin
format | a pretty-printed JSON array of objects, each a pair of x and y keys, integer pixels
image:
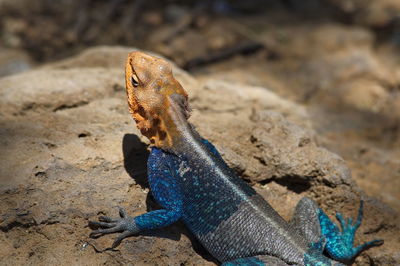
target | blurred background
[{"x": 339, "y": 58}]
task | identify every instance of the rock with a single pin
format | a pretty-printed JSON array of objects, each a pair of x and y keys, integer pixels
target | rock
[
  {"x": 365, "y": 95},
  {"x": 70, "y": 151},
  {"x": 259, "y": 120},
  {"x": 288, "y": 152},
  {"x": 339, "y": 67}
]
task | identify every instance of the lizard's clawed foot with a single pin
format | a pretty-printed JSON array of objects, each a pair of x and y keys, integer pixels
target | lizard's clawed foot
[
  {"x": 341, "y": 248},
  {"x": 125, "y": 224}
]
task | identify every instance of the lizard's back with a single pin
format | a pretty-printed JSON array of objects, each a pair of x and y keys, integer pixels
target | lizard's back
[{"x": 228, "y": 217}]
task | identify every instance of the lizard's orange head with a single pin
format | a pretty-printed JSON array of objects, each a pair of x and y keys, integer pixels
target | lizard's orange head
[{"x": 150, "y": 87}]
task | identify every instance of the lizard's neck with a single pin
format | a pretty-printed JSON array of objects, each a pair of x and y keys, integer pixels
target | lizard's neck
[{"x": 183, "y": 135}]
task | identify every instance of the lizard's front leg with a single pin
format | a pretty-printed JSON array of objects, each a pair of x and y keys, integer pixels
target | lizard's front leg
[
  {"x": 165, "y": 190},
  {"x": 132, "y": 225}
]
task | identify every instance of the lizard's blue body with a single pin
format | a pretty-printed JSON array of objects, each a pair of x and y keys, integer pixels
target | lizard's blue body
[
  {"x": 191, "y": 181},
  {"x": 227, "y": 215}
]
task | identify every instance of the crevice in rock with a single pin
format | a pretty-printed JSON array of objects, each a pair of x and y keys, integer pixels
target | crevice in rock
[
  {"x": 375, "y": 230},
  {"x": 295, "y": 183},
  {"x": 84, "y": 135},
  {"x": 41, "y": 174},
  {"x": 31, "y": 107},
  {"x": 13, "y": 224},
  {"x": 70, "y": 106}
]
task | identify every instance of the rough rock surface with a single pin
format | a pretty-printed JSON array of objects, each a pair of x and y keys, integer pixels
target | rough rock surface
[
  {"x": 349, "y": 86},
  {"x": 70, "y": 151}
]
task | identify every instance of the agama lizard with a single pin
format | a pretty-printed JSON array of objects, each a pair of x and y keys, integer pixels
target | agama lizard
[{"x": 191, "y": 181}]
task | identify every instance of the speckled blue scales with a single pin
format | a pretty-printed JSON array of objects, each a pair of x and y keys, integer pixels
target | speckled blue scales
[
  {"x": 204, "y": 208},
  {"x": 234, "y": 223}
]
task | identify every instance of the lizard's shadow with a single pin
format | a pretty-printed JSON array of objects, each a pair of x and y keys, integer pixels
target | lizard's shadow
[
  {"x": 135, "y": 154},
  {"x": 135, "y": 159}
]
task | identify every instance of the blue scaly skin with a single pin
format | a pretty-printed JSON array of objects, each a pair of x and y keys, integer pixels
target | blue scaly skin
[
  {"x": 340, "y": 242},
  {"x": 191, "y": 181}
]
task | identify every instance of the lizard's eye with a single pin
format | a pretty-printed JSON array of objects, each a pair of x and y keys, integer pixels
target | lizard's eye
[{"x": 134, "y": 80}]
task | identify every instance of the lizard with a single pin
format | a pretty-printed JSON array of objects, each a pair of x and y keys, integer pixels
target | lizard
[{"x": 191, "y": 181}]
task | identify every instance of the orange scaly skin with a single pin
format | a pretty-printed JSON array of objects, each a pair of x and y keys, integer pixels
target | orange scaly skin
[{"x": 148, "y": 97}]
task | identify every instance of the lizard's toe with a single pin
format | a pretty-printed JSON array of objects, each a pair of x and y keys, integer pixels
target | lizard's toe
[
  {"x": 107, "y": 219},
  {"x": 100, "y": 232},
  {"x": 102, "y": 224},
  {"x": 121, "y": 237},
  {"x": 122, "y": 212}
]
